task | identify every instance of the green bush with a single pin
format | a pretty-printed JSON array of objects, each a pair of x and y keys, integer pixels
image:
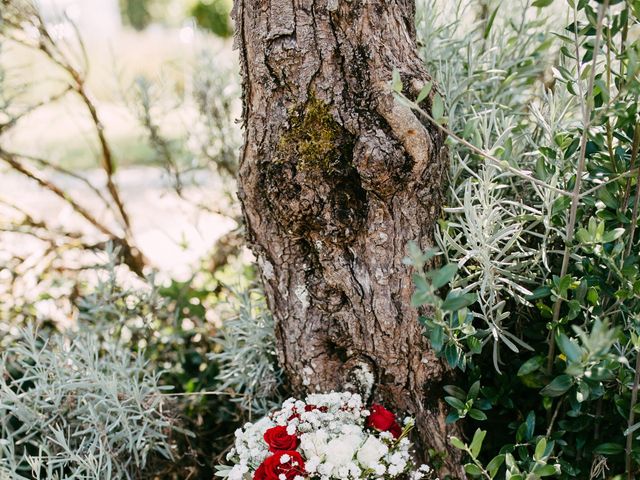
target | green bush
[
  {"x": 136, "y": 13},
  {"x": 214, "y": 15},
  {"x": 78, "y": 407},
  {"x": 537, "y": 299}
]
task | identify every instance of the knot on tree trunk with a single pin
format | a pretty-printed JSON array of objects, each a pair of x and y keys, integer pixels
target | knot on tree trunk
[{"x": 361, "y": 376}]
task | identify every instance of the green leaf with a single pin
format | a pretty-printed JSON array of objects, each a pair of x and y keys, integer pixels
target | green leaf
[
  {"x": 424, "y": 93},
  {"x": 540, "y": 292},
  {"x": 542, "y": 3},
  {"x": 494, "y": 465},
  {"x": 452, "y": 354},
  {"x": 456, "y": 301},
  {"x": 437, "y": 338},
  {"x": 532, "y": 365},
  {"x": 455, "y": 403},
  {"x": 477, "y": 414},
  {"x": 472, "y": 469},
  {"x": 396, "y": 81},
  {"x": 544, "y": 470},
  {"x": 442, "y": 276},
  {"x": 474, "y": 390},
  {"x": 492, "y": 18},
  {"x": 474, "y": 345},
  {"x": 452, "y": 417},
  {"x": 437, "y": 108},
  {"x": 609, "y": 448},
  {"x": 541, "y": 446},
  {"x": 455, "y": 391},
  {"x": 456, "y": 442},
  {"x": 558, "y": 386},
  {"x": 531, "y": 425},
  {"x": 570, "y": 348},
  {"x": 612, "y": 235},
  {"x": 476, "y": 443}
]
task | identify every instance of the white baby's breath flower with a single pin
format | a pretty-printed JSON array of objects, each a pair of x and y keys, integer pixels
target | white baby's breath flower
[{"x": 380, "y": 469}]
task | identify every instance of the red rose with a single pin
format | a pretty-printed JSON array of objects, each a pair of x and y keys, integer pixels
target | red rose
[
  {"x": 278, "y": 439},
  {"x": 395, "y": 430},
  {"x": 311, "y": 408},
  {"x": 383, "y": 420},
  {"x": 273, "y": 466}
]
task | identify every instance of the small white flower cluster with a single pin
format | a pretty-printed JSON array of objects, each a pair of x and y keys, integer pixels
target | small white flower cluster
[{"x": 332, "y": 434}]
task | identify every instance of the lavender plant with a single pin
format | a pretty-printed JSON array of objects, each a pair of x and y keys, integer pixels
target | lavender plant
[{"x": 78, "y": 407}]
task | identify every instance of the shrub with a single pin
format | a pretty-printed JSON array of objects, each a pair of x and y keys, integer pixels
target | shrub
[
  {"x": 537, "y": 303},
  {"x": 247, "y": 356},
  {"x": 78, "y": 407},
  {"x": 214, "y": 16}
]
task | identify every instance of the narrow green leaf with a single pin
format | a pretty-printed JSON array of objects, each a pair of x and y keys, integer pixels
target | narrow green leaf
[
  {"x": 424, "y": 93},
  {"x": 609, "y": 448},
  {"x": 437, "y": 109},
  {"x": 532, "y": 365},
  {"x": 544, "y": 470},
  {"x": 494, "y": 465},
  {"x": 396, "y": 81},
  {"x": 456, "y": 442},
  {"x": 477, "y": 414},
  {"x": 558, "y": 386},
  {"x": 455, "y": 402},
  {"x": 455, "y": 391},
  {"x": 541, "y": 446},
  {"x": 570, "y": 348},
  {"x": 489, "y": 25},
  {"x": 476, "y": 443},
  {"x": 442, "y": 276},
  {"x": 456, "y": 301},
  {"x": 472, "y": 469}
]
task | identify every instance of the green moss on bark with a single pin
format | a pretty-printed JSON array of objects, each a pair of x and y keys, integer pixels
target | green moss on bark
[{"x": 315, "y": 141}]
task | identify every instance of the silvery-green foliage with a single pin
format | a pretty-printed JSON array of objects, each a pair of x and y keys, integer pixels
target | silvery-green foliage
[
  {"x": 216, "y": 136},
  {"x": 76, "y": 407},
  {"x": 491, "y": 64},
  {"x": 247, "y": 360}
]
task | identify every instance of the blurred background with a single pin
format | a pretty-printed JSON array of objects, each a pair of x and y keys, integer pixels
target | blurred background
[{"x": 137, "y": 150}]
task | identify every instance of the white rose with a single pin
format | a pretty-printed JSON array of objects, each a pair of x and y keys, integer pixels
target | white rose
[
  {"x": 340, "y": 450},
  {"x": 371, "y": 452},
  {"x": 314, "y": 444}
]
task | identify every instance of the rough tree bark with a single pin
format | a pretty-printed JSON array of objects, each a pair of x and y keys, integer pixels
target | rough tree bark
[{"x": 335, "y": 179}]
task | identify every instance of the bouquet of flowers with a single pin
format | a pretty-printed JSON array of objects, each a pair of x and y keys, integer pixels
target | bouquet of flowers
[{"x": 326, "y": 436}]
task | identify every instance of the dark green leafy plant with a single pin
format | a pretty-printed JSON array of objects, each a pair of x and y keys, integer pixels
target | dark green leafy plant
[
  {"x": 537, "y": 301},
  {"x": 214, "y": 16}
]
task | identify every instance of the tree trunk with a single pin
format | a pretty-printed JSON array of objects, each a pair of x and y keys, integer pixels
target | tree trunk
[{"x": 335, "y": 179}]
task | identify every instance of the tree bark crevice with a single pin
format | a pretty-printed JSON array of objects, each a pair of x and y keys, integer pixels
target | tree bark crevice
[{"x": 335, "y": 179}]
